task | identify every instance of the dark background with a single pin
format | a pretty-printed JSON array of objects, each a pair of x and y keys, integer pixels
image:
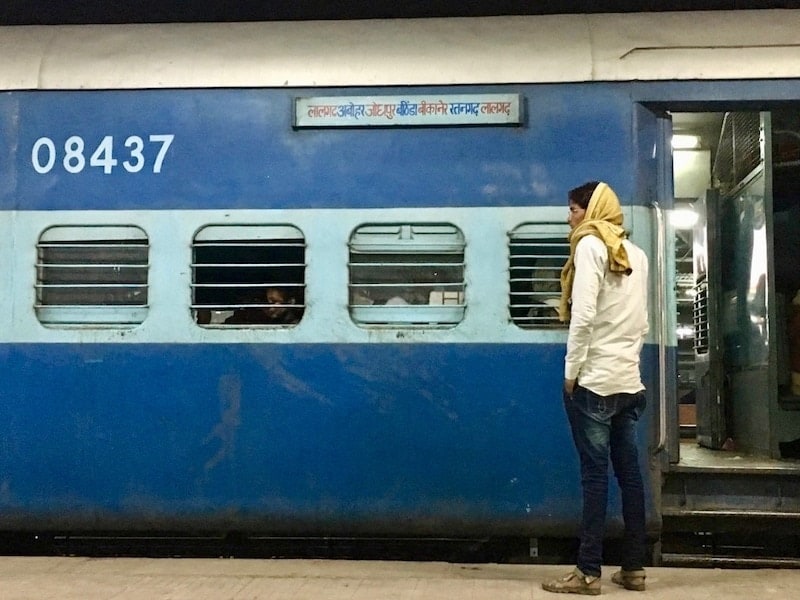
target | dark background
[{"x": 55, "y": 12}]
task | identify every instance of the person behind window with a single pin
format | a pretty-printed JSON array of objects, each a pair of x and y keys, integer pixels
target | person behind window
[
  {"x": 276, "y": 306},
  {"x": 546, "y": 289}
]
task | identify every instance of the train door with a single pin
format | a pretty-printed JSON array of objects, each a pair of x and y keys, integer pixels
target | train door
[
  {"x": 730, "y": 489},
  {"x": 745, "y": 248},
  {"x": 704, "y": 358}
]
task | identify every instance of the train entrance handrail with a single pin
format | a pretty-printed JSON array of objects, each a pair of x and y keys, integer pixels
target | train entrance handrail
[{"x": 661, "y": 332}]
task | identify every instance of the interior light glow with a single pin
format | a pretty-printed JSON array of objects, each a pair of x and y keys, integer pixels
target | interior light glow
[
  {"x": 683, "y": 218},
  {"x": 685, "y": 142}
]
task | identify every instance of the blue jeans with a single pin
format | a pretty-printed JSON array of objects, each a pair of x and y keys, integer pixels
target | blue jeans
[{"x": 604, "y": 426}]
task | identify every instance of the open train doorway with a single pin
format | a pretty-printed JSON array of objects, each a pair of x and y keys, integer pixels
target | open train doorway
[{"x": 736, "y": 225}]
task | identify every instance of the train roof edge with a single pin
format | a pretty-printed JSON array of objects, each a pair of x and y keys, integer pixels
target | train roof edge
[{"x": 752, "y": 44}]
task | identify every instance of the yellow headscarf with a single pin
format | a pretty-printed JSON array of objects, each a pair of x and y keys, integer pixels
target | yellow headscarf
[{"x": 604, "y": 220}]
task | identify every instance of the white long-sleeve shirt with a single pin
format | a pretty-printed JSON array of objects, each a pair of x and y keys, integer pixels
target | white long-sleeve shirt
[{"x": 609, "y": 320}]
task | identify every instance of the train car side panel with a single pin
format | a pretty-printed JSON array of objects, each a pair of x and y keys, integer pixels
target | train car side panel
[{"x": 237, "y": 149}]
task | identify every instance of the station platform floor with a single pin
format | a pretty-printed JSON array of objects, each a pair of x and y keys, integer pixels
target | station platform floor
[{"x": 68, "y": 578}]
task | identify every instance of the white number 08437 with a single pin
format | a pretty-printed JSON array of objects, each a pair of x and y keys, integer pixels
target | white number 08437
[{"x": 44, "y": 154}]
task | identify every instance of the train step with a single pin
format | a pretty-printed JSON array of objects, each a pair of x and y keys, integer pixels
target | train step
[
  {"x": 701, "y": 493},
  {"x": 710, "y": 546},
  {"x": 730, "y": 510}
]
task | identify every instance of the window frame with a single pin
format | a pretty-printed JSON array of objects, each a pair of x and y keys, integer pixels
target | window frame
[
  {"x": 378, "y": 249},
  {"x": 245, "y": 239},
  {"x": 537, "y": 241},
  {"x": 75, "y": 239}
]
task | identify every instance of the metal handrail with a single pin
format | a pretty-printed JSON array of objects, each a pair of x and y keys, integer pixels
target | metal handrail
[{"x": 661, "y": 334}]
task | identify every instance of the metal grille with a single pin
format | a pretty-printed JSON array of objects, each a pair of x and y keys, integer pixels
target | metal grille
[
  {"x": 92, "y": 275},
  {"x": 537, "y": 253},
  {"x": 700, "y": 317},
  {"x": 248, "y": 275},
  {"x": 739, "y": 149},
  {"x": 407, "y": 274}
]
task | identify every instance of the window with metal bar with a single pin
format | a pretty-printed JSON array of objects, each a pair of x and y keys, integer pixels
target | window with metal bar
[
  {"x": 248, "y": 275},
  {"x": 537, "y": 253},
  {"x": 407, "y": 275},
  {"x": 700, "y": 316},
  {"x": 92, "y": 276}
]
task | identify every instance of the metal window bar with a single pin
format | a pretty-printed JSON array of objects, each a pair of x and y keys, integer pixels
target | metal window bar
[
  {"x": 88, "y": 277},
  {"x": 738, "y": 149},
  {"x": 407, "y": 275},
  {"x": 91, "y": 282},
  {"x": 535, "y": 265},
  {"x": 700, "y": 317},
  {"x": 299, "y": 288},
  {"x": 231, "y": 278}
]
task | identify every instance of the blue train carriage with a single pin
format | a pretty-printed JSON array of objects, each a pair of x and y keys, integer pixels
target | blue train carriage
[{"x": 288, "y": 282}]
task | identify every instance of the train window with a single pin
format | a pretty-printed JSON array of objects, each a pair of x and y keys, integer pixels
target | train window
[
  {"x": 92, "y": 275},
  {"x": 537, "y": 253},
  {"x": 407, "y": 274},
  {"x": 248, "y": 275}
]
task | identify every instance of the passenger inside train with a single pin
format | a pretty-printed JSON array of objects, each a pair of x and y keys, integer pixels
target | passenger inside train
[{"x": 277, "y": 306}]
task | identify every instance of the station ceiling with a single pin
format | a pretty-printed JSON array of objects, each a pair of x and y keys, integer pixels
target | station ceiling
[{"x": 59, "y": 12}]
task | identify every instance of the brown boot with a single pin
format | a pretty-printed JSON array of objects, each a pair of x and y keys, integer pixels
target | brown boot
[
  {"x": 574, "y": 582},
  {"x": 630, "y": 580}
]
